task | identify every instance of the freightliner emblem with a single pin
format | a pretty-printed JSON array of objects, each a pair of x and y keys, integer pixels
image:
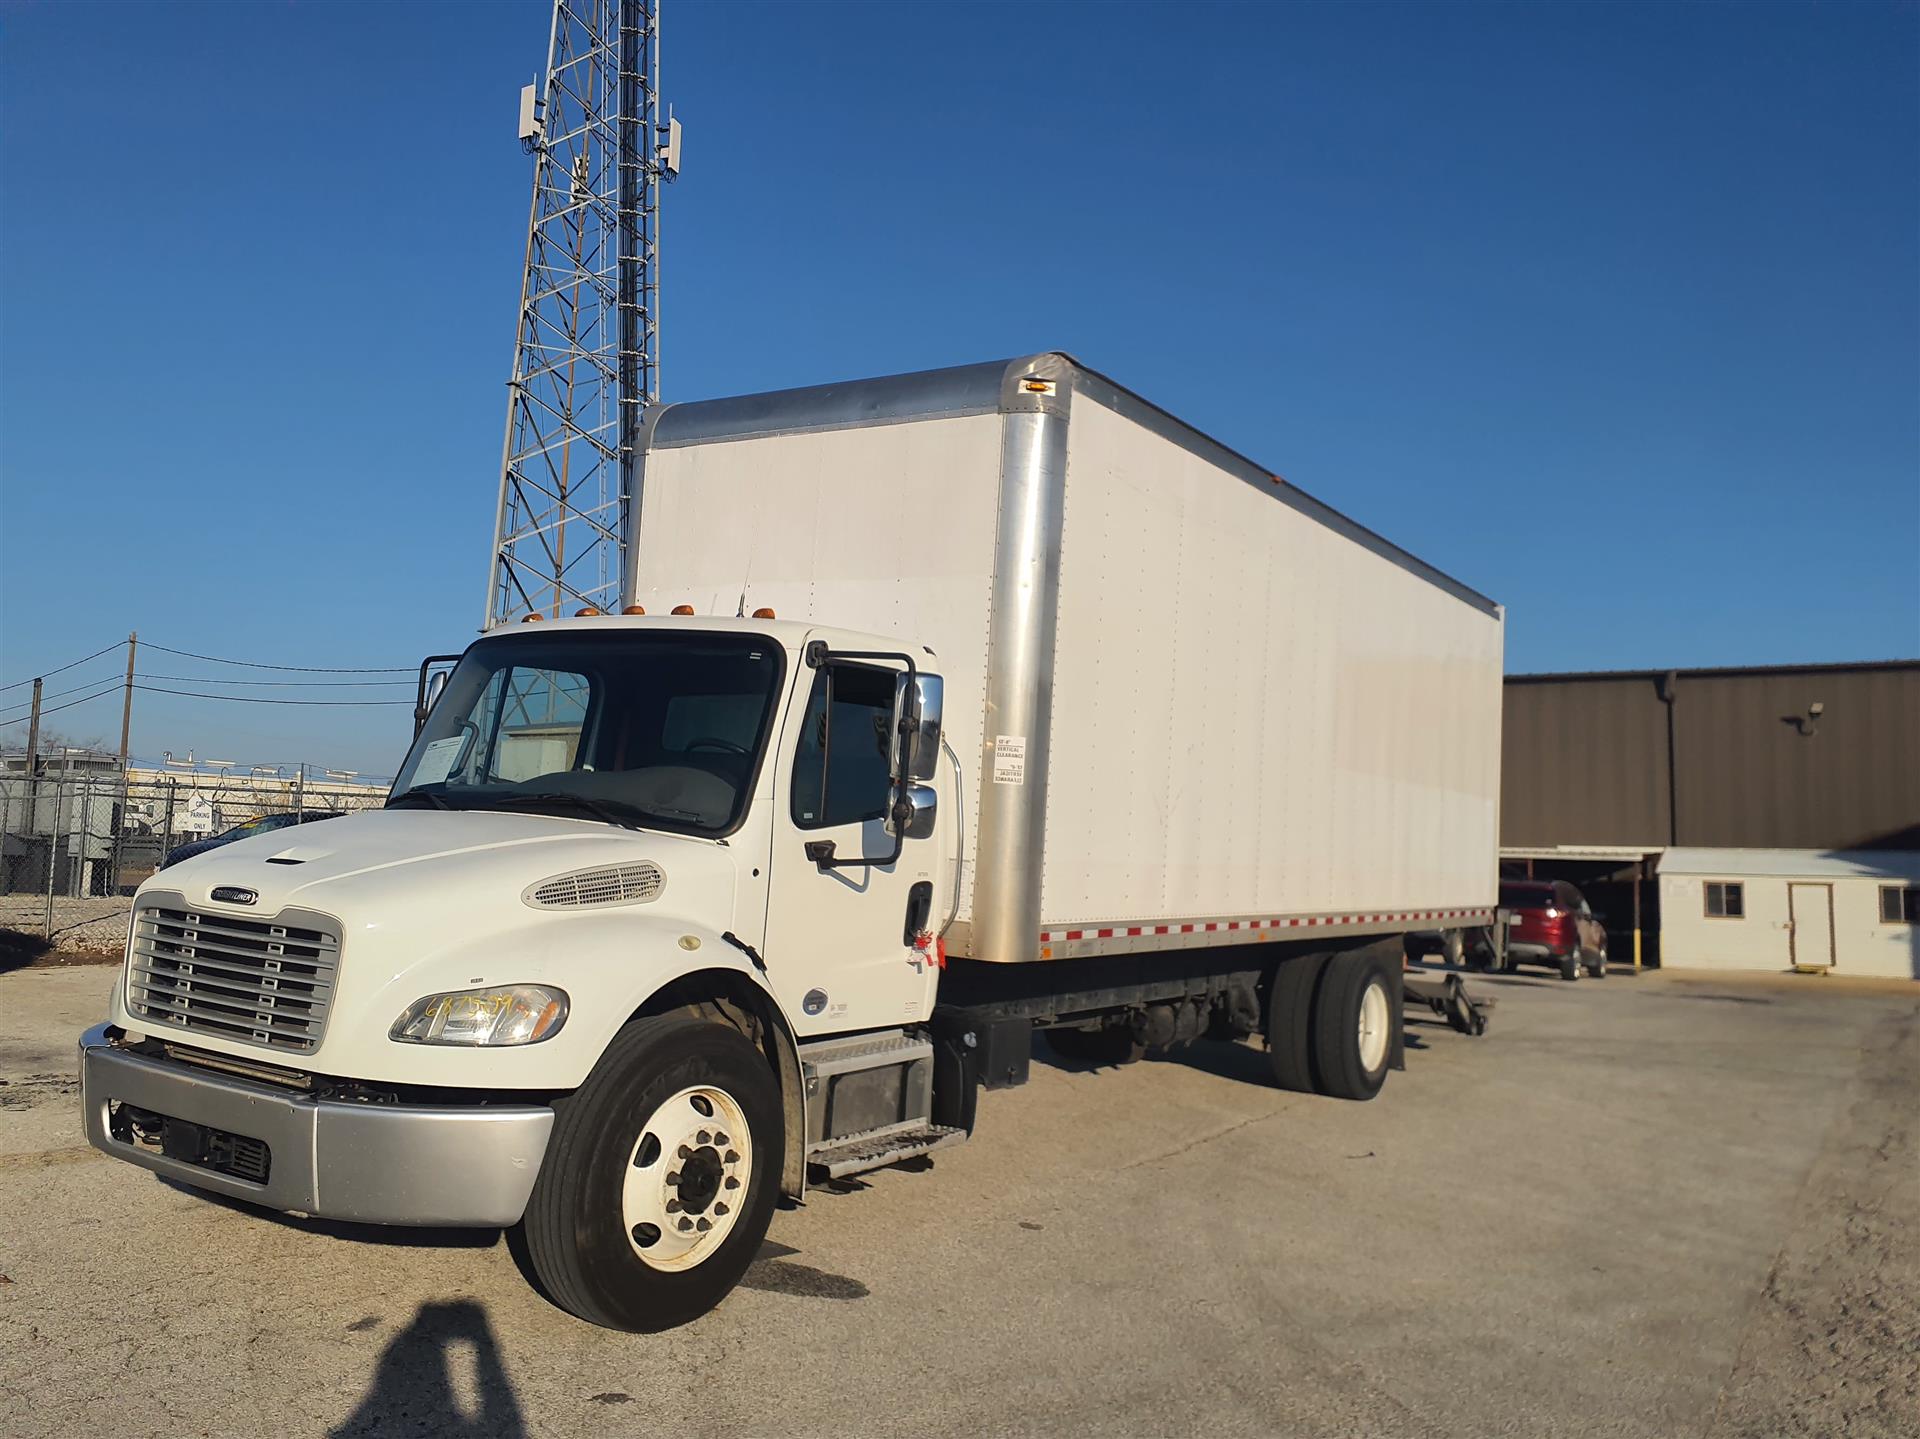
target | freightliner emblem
[{"x": 233, "y": 894}]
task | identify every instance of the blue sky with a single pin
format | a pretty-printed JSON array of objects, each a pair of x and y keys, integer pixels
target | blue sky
[{"x": 1612, "y": 311}]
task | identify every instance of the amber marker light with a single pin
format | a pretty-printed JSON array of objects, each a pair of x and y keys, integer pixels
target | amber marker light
[
  {"x": 763, "y": 613},
  {"x": 586, "y": 612},
  {"x": 683, "y": 609},
  {"x": 634, "y": 610}
]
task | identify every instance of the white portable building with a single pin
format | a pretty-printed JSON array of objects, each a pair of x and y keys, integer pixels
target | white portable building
[{"x": 1855, "y": 913}]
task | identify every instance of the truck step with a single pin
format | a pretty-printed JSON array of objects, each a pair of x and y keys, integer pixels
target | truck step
[
  {"x": 860, "y": 1152},
  {"x": 862, "y": 1051}
]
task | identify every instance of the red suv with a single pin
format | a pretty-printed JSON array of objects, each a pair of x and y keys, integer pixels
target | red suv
[{"x": 1552, "y": 924}]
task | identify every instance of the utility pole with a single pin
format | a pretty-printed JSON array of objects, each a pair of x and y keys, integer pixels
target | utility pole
[
  {"x": 33, "y": 733},
  {"x": 126, "y": 704},
  {"x": 587, "y": 345},
  {"x": 33, "y": 763}
]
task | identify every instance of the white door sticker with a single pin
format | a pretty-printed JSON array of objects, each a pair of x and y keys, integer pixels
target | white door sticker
[
  {"x": 436, "y": 760},
  {"x": 1009, "y": 759}
]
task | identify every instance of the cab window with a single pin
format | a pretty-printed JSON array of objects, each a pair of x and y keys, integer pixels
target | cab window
[{"x": 841, "y": 769}]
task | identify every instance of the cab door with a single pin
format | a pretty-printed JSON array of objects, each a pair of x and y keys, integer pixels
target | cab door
[{"x": 839, "y": 944}]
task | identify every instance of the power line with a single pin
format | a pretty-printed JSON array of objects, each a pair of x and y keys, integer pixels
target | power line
[
  {"x": 74, "y": 690},
  {"x": 257, "y": 699},
  {"x": 113, "y": 688},
  {"x": 322, "y": 684},
  {"x": 300, "y": 669},
  {"x": 69, "y": 665}
]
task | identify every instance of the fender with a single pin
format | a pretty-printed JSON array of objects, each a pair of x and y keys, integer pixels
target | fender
[{"x": 741, "y": 995}]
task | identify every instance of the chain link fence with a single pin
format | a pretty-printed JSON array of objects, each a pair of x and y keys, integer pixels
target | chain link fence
[{"x": 75, "y": 846}]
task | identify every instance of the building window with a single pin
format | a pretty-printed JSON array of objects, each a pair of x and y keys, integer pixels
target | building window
[
  {"x": 1899, "y": 904},
  {"x": 1726, "y": 901}
]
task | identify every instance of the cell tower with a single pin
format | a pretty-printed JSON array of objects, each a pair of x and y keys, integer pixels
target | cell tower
[{"x": 586, "y": 359}]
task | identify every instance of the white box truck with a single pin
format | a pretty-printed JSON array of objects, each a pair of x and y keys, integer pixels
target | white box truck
[{"x": 946, "y": 707}]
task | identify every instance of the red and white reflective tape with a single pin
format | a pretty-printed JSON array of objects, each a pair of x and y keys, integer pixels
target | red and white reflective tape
[{"x": 1290, "y": 921}]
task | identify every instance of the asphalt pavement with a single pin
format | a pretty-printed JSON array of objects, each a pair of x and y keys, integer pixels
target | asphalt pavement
[{"x": 1653, "y": 1206}]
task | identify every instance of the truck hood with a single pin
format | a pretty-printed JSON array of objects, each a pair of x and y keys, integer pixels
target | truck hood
[
  {"x": 431, "y": 901},
  {"x": 325, "y": 866}
]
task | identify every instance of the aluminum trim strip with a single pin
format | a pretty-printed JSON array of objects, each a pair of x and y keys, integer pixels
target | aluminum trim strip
[
  {"x": 1079, "y": 941},
  {"x": 1018, "y": 704}
]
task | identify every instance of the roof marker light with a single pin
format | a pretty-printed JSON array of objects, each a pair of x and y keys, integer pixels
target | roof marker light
[
  {"x": 683, "y": 609},
  {"x": 634, "y": 610},
  {"x": 586, "y": 612},
  {"x": 763, "y": 613},
  {"x": 533, "y": 618}
]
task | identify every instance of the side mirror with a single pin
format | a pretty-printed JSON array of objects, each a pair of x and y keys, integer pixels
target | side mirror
[
  {"x": 432, "y": 683},
  {"x": 915, "y": 808},
  {"x": 917, "y": 703}
]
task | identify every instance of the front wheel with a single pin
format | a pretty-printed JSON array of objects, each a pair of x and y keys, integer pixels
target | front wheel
[{"x": 660, "y": 1177}]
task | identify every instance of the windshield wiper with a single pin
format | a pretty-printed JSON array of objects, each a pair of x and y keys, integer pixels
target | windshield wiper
[
  {"x": 612, "y": 811},
  {"x": 427, "y": 795}
]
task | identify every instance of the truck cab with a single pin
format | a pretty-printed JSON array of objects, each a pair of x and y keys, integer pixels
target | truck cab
[{"x": 630, "y": 868}]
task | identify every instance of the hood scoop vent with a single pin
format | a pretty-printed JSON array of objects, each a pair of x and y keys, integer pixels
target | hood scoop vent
[
  {"x": 638, "y": 883},
  {"x": 299, "y": 854}
]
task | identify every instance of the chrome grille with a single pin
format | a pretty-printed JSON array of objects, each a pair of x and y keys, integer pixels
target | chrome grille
[
  {"x": 261, "y": 981},
  {"x": 609, "y": 884}
]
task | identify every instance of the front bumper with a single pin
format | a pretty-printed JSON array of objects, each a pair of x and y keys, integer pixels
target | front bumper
[{"x": 373, "y": 1163}]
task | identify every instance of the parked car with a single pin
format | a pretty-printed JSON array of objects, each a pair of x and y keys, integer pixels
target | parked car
[
  {"x": 1553, "y": 925},
  {"x": 263, "y": 825}
]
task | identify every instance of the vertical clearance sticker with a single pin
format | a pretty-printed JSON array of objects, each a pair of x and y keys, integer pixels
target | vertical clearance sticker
[{"x": 1009, "y": 759}]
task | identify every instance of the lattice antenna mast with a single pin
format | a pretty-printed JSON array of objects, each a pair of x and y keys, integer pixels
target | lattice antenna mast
[{"x": 586, "y": 358}]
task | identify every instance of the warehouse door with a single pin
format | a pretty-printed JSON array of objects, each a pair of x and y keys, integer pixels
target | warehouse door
[{"x": 1810, "y": 914}]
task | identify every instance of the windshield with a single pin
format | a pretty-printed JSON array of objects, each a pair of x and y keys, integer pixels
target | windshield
[{"x": 662, "y": 729}]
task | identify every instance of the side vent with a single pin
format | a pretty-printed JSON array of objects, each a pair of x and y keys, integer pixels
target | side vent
[{"x": 609, "y": 884}]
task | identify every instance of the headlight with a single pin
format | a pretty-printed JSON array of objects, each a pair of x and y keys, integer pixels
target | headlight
[{"x": 507, "y": 1014}]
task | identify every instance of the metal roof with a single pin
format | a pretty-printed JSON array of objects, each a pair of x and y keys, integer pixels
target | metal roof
[
  {"x": 1654, "y": 674},
  {"x": 1887, "y": 864}
]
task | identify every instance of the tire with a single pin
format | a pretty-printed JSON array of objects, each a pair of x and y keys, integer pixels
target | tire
[
  {"x": 1570, "y": 966},
  {"x": 1453, "y": 945},
  {"x": 1598, "y": 969},
  {"x": 1113, "y": 1044},
  {"x": 1290, "y": 1001},
  {"x": 649, "y": 1086},
  {"x": 1353, "y": 1019}
]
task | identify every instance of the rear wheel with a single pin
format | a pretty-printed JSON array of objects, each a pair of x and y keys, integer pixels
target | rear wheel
[
  {"x": 1598, "y": 969},
  {"x": 1290, "y": 1002},
  {"x": 1353, "y": 1023},
  {"x": 1570, "y": 965},
  {"x": 660, "y": 1177},
  {"x": 1453, "y": 945}
]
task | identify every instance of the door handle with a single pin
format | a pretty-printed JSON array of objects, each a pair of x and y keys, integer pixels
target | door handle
[{"x": 919, "y": 910}]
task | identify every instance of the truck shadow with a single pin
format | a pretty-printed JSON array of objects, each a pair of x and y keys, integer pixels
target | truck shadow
[
  {"x": 1225, "y": 1058},
  {"x": 416, "y": 1389},
  {"x": 406, "y": 1236}
]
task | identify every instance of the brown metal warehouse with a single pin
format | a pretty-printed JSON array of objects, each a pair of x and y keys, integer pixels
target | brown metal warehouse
[{"x": 1602, "y": 773}]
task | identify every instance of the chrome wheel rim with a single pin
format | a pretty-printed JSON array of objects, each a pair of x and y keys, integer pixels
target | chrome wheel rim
[{"x": 687, "y": 1178}]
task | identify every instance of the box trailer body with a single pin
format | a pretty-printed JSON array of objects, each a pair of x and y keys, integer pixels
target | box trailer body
[
  {"x": 651, "y": 927},
  {"x": 1188, "y": 702}
]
